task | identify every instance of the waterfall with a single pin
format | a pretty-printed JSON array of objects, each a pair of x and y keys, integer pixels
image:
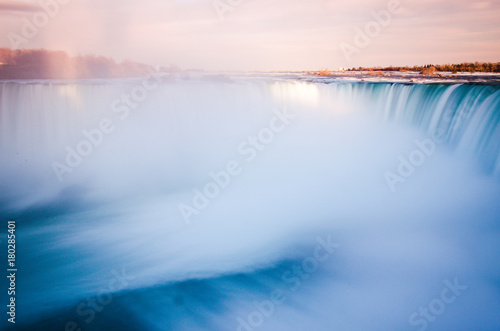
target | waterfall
[
  {"x": 35, "y": 115},
  {"x": 466, "y": 116},
  {"x": 101, "y": 174}
]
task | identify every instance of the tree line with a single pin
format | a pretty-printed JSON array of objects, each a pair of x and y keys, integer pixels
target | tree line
[
  {"x": 454, "y": 68},
  {"x": 44, "y": 64}
]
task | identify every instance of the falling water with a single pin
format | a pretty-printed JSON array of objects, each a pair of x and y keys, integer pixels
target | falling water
[{"x": 97, "y": 173}]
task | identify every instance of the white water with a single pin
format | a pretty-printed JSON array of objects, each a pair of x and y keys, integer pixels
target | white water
[{"x": 323, "y": 175}]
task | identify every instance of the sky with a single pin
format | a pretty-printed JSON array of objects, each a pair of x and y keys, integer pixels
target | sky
[{"x": 259, "y": 34}]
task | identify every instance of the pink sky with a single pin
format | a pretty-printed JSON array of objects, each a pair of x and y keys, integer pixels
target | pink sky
[{"x": 261, "y": 34}]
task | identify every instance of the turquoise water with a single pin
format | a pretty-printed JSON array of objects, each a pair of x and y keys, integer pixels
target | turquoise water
[{"x": 403, "y": 178}]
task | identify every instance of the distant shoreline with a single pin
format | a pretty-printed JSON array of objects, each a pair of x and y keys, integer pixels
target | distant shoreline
[
  {"x": 43, "y": 64},
  {"x": 471, "y": 67},
  {"x": 338, "y": 77}
]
